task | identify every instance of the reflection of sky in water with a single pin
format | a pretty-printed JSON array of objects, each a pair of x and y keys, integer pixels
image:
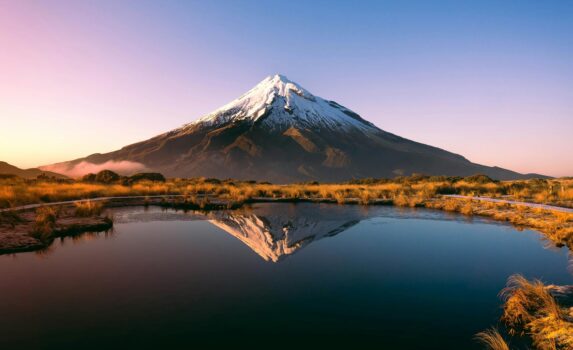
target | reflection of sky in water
[{"x": 399, "y": 277}]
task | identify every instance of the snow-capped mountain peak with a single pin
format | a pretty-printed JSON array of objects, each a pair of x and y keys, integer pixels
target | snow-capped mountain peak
[
  {"x": 280, "y": 132},
  {"x": 282, "y": 86},
  {"x": 280, "y": 103}
]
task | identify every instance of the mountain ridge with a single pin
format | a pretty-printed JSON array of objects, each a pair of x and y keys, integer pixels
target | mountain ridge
[
  {"x": 9, "y": 169},
  {"x": 280, "y": 132}
]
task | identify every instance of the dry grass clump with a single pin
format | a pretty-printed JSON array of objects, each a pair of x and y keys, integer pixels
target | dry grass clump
[
  {"x": 45, "y": 222},
  {"x": 492, "y": 339},
  {"x": 531, "y": 310},
  {"x": 467, "y": 208},
  {"x": 563, "y": 217},
  {"x": 365, "y": 197},
  {"x": 88, "y": 208},
  {"x": 403, "y": 200}
]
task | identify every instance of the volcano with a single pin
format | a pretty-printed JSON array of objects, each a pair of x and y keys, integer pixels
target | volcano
[{"x": 280, "y": 132}]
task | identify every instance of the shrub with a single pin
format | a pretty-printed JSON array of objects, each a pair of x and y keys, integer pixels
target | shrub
[
  {"x": 156, "y": 177},
  {"x": 91, "y": 177},
  {"x": 479, "y": 179},
  {"x": 107, "y": 177}
]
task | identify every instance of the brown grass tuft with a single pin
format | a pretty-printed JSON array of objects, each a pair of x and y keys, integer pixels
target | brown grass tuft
[
  {"x": 530, "y": 309},
  {"x": 88, "y": 208},
  {"x": 45, "y": 222},
  {"x": 492, "y": 339}
]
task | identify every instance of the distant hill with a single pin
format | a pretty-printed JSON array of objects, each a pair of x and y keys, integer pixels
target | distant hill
[
  {"x": 32, "y": 173},
  {"x": 280, "y": 132}
]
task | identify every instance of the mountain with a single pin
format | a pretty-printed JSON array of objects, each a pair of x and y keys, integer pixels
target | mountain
[
  {"x": 280, "y": 132},
  {"x": 9, "y": 169}
]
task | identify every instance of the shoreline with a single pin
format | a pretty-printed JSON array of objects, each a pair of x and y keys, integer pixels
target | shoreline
[
  {"x": 555, "y": 223},
  {"x": 350, "y": 200}
]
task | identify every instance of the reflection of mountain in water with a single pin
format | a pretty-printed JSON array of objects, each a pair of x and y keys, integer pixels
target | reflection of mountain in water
[{"x": 275, "y": 231}]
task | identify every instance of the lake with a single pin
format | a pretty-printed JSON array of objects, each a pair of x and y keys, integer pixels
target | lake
[{"x": 271, "y": 276}]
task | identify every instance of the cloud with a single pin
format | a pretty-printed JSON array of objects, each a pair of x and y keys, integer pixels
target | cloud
[{"x": 123, "y": 167}]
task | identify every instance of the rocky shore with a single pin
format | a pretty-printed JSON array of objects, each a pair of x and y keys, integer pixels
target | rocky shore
[{"x": 17, "y": 230}]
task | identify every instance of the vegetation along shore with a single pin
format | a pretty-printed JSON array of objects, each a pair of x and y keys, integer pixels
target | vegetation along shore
[{"x": 210, "y": 194}]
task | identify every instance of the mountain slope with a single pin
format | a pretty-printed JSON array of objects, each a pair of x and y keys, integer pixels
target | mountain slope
[
  {"x": 280, "y": 132},
  {"x": 9, "y": 169}
]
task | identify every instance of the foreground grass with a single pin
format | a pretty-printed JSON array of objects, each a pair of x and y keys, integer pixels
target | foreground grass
[
  {"x": 532, "y": 310},
  {"x": 492, "y": 340}
]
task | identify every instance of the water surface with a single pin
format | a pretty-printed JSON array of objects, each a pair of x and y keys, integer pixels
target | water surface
[{"x": 271, "y": 276}]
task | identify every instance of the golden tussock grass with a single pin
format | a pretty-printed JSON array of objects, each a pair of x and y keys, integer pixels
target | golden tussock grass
[
  {"x": 45, "y": 222},
  {"x": 18, "y": 191},
  {"x": 492, "y": 340},
  {"x": 530, "y": 309},
  {"x": 88, "y": 208}
]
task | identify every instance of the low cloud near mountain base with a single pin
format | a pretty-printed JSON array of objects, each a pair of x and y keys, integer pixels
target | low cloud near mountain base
[{"x": 123, "y": 167}]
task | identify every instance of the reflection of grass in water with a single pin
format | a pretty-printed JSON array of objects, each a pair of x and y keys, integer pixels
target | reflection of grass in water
[{"x": 531, "y": 310}]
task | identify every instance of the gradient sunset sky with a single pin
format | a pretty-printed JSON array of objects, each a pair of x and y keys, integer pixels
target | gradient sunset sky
[{"x": 491, "y": 80}]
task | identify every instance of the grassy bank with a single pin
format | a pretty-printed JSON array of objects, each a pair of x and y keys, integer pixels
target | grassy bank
[
  {"x": 414, "y": 191},
  {"x": 556, "y": 226},
  {"x": 36, "y": 229},
  {"x": 411, "y": 191}
]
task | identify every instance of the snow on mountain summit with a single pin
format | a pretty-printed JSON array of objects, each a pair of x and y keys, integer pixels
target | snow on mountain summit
[{"x": 278, "y": 102}]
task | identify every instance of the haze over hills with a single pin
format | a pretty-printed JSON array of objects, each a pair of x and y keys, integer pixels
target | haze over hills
[{"x": 280, "y": 132}]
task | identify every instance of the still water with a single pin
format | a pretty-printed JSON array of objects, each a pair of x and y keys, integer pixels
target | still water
[{"x": 271, "y": 276}]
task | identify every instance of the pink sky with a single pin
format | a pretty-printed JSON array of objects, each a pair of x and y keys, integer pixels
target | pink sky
[{"x": 79, "y": 78}]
